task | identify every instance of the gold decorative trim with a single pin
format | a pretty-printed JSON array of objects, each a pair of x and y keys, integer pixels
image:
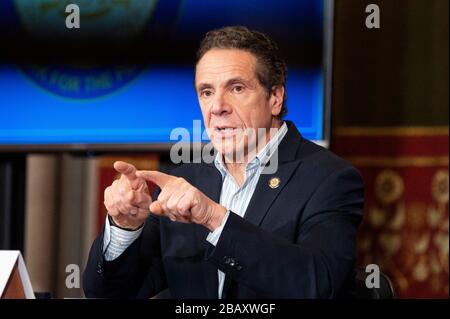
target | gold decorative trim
[
  {"x": 391, "y": 131},
  {"x": 401, "y": 161}
]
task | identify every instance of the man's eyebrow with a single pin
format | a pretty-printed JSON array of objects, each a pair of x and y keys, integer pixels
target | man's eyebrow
[
  {"x": 237, "y": 80},
  {"x": 202, "y": 86}
]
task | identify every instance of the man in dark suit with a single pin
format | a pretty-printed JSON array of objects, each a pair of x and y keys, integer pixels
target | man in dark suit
[{"x": 234, "y": 228}]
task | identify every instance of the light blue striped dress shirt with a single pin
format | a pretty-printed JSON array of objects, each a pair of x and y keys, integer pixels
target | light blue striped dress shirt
[{"x": 233, "y": 197}]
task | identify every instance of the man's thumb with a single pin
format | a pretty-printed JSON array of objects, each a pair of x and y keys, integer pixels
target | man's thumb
[{"x": 156, "y": 208}]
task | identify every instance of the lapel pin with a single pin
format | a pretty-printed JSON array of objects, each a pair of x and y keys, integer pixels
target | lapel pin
[{"x": 274, "y": 182}]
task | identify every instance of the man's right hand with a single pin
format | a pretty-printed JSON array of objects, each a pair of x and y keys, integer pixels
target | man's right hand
[{"x": 127, "y": 199}]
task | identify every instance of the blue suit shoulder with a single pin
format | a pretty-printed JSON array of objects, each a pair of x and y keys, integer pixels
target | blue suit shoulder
[{"x": 316, "y": 156}]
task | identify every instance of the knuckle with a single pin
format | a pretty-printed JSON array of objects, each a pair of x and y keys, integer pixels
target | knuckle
[
  {"x": 116, "y": 200},
  {"x": 133, "y": 211},
  {"x": 181, "y": 208},
  {"x": 192, "y": 192},
  {"x": 122, "y": 208},
  {"x": 170, "y": 206},
  {"x": 115, "y": 203},
  {"x": 192, "y": 189},
  {"x": 145, "y": 200},
  {"x": 142, "y": 198},
  {"x": 106, "y": 201},
  {"x": 124, "y": 191},
  {"x": 130, "y": 196},
  {"x": 162, "y": 197},
  {"x": 118, "y": 205}
]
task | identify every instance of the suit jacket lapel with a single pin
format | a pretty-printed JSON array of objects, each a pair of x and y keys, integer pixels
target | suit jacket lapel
[
  {"x": 264, "y": 195},
  {"x": 261, "y": 201}
]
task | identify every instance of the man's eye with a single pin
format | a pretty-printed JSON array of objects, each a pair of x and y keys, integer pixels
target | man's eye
[
  {"x": 206, "y": 93},
  {"x": 238, "y": 88}
]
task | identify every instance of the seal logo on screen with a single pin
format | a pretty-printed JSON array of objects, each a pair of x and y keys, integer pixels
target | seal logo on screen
[{"x": 98, "y": 18}]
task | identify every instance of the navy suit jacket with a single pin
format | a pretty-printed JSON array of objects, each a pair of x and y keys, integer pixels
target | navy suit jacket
[{"x": 295, "y": 241}]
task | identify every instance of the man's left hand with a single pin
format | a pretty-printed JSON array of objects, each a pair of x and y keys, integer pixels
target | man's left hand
[{"x": 182, "y": 202}]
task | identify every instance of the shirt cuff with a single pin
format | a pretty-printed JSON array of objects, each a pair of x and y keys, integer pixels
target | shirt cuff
[
  {"x": 213, "y": 237},
  {"x": 116, "y": 240}
]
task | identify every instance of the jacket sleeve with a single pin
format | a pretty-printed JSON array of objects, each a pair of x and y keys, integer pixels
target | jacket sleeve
[
  {"x": 137, "y": 273},
  {"x": 317, "y": 264}
]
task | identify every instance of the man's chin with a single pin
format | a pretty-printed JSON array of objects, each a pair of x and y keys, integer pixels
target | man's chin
[{"x": 232, "y": 154}]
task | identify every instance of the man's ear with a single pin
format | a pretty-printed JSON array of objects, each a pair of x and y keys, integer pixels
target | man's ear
[{"x": 276, "y": 99}]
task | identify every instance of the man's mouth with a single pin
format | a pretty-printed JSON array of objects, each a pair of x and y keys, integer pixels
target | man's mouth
[{"x": 225, "y": 131}]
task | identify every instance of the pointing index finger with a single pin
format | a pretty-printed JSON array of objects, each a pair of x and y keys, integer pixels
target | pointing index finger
[
  {"x": 156, "y": 177},
  {"x": 130, "y": 173}
]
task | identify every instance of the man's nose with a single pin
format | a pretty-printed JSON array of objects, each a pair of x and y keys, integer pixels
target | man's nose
[{"x": 220, "y": 105}]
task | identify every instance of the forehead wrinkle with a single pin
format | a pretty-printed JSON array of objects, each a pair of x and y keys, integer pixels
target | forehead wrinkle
[
  {"x": 222, "y": 73},
  {"x": 219, "y": 64}
]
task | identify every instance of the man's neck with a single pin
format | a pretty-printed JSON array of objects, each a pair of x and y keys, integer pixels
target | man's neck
[{"x": 237, "y": 170}]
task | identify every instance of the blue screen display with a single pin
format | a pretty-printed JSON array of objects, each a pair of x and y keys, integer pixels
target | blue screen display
[{"x": 88, "y": 104}]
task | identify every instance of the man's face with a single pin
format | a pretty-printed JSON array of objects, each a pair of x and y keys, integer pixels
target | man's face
[{"x": 232, "y": 100}]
